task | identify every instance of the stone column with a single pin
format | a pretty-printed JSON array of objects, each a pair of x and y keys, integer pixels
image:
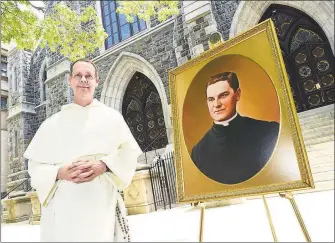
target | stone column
[
  {"x": 193, "y": 27},
  {"x": 35, "y": 207}
]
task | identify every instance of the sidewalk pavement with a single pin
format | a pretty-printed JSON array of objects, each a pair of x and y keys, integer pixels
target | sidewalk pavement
[{"x": 236, "y": 223}]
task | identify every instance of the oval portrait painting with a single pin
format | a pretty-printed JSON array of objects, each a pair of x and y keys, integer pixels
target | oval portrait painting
[{"x": 231, "y": 119}]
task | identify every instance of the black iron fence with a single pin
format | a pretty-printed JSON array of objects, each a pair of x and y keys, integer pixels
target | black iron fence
[{"x": 163, "y": 181}]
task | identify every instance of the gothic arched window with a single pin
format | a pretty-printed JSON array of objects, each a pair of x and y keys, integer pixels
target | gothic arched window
[{"x": 307, "y": 55}]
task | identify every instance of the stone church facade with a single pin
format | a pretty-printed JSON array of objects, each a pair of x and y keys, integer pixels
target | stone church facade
[{"x": 134, "y": 71}]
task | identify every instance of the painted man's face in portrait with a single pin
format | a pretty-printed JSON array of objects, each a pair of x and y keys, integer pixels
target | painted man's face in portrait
[{"x": 222, "y": 100}]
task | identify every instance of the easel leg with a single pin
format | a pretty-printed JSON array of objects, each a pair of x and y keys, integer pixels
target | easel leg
[
  {"x": 203, "y": 206},
  {"x": 289, "y": 196},
  {"x": 273, "y": 231}
]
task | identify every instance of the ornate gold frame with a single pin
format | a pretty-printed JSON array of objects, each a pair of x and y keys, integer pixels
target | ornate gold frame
[{"x": 288, "y": 116}]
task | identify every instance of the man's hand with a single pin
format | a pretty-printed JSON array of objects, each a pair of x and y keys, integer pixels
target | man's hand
[
  {"x": 70, "y": 172},
  {"x": 84, "y": 171}
]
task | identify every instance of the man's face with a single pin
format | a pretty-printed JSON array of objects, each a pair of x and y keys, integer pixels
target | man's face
[
  {"x": 83, "y": 80},
  {"x": 222, "y": 100}
]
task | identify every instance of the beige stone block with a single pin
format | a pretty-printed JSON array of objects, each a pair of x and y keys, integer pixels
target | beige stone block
[
  {"x": 19, "y": 209},
  {"x": 205, "y": 9},
  {"x": 138, "y": 195},
  {"x": 11, "y": 213},
  {"x": 198, "y": 49},
  {"x": 210, "y": 29}
]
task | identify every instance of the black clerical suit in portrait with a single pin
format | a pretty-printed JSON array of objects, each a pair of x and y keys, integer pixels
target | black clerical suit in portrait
[{"x": 234, "y": 153}]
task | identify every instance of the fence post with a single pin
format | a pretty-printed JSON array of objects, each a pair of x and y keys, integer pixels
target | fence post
[
  {"x": 160, "y": 180},
  {"x": 152, "y": 187},
  {"x": 166, "y": 182}
]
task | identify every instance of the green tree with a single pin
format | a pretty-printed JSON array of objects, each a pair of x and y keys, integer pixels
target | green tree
[
  {"x": 147, "y": 9},
  {"x": 72, "y": 35}
]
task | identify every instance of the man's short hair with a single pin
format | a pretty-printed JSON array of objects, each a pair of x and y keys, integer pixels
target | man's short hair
[
  {"x": 84, "y": 60},
  {"x": 230, "y": 77}
]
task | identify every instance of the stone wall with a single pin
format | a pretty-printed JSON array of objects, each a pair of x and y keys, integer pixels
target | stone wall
[
  {"x": 58, "y": 93},
  {"x": 77, "y": 6},
  {"x": 193, "y": 27},
  {"x": 26, "y": 86},
  {"x": 41, "y": 115},
  {"x": 156, "y": 48},
  {"x": 16, "y": 147},
  {"x": 18, "y": 69},
  {"x": 180, "y": 41},
  {"x": 223, "y": 12}
]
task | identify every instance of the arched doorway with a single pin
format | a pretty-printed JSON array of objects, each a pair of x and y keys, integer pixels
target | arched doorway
[
  {"x": 142, "y": 110},
  {"x": 307, "y": 55}
]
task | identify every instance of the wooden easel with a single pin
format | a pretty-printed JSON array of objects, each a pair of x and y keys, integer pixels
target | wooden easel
[{"x": 286, "y": 195}]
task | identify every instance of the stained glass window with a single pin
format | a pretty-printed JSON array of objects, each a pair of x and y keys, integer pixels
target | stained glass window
[
  {"x": 116, "y": 25},
  {"x": 307, "y": 54},
  {"x": 3, "y": 102},
  {"x": 303, "y": 36}
]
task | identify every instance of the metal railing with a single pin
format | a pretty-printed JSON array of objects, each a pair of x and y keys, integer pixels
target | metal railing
[
  {"x": 163, "y": 182},
  {"x": 13, "y": 189}
]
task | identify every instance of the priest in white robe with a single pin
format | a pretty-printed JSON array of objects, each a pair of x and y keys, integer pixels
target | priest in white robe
[{"x": 79, "y": 160}]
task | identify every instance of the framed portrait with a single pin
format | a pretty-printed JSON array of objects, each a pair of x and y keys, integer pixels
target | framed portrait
[{"x": 235, "y": 127}]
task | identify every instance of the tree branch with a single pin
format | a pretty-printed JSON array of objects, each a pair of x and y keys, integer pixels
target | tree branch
[{"x": 37, "y": 8}]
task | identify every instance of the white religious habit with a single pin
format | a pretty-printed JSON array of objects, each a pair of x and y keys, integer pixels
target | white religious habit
[{"x": 90, "y": 211}]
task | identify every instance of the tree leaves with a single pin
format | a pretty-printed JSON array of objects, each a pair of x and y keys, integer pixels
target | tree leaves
[
  {"x": 71, "y": 34},
  {"x": 74, "y": 35},
  {"x": 19, "y": 25},
  {"x": 147, "y": 9}
]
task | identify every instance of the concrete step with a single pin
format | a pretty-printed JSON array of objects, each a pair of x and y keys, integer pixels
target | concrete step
[
  {"x": 323, "y": 176},
  {"x": 318, "y": 140},
  {"x": 326, "y": 146},
  {"x": 318, "y": 132},
  {"x": 313, "y": 125},
  {"x": 321, "y": 168},
  {"x": 321, "y": 110},
  {"x": 314, "y": 120},
  {"x": 326, "y": 151},
  {"x": 321, "y": 160}
]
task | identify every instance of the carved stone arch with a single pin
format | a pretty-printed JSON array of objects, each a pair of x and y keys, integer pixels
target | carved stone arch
[
  {"x": 304, "y": 42},
  {"x": 249, "y": 13}
]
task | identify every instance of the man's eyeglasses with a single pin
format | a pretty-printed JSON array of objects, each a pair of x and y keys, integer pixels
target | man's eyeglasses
[{"x": 79, "y": 76}]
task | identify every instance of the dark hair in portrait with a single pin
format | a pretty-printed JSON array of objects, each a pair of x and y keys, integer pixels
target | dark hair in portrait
[
  {"x": 230, "y": 77},
  {"x": 236, "y": 147}
]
